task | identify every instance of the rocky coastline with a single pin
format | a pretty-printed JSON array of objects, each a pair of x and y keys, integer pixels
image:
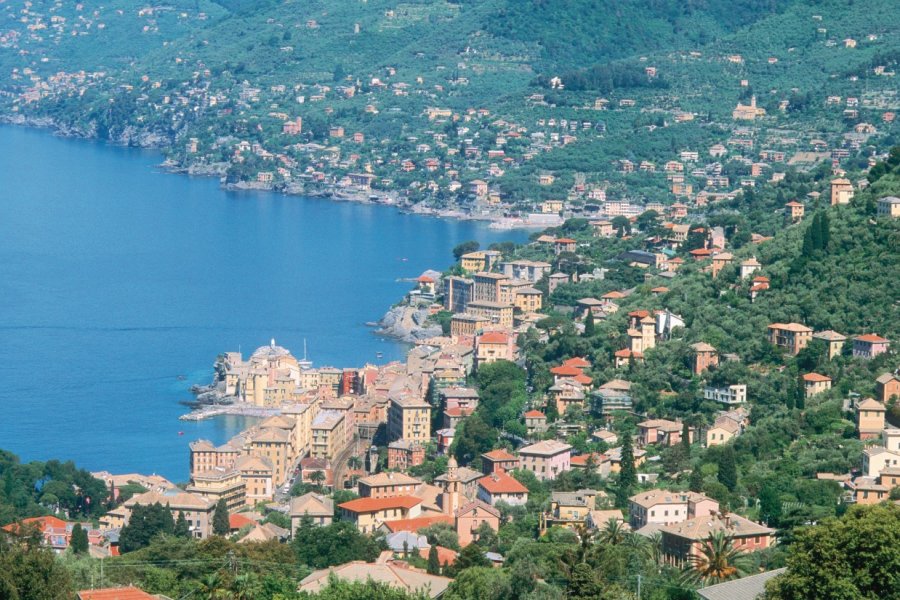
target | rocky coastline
[
  {"x": 135, "y": 137},
  {"x": 407, "y": 323}
]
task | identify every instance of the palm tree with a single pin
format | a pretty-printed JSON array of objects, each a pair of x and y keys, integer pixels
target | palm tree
[
  {"x": 317, "y": 478},
  {"x": 246, "y": 586},
  {"x": 210, "y": 587},
  {"x": 585, "y": 539},
  {"x": 653, "y": 551},
  {"x": 718, "y": 560},
  {"x": 354, "y": 462},
  {"x": 613, "y": 533}
]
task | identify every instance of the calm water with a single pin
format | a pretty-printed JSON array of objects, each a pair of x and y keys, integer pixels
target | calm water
[{"x": 116, "y": 279}]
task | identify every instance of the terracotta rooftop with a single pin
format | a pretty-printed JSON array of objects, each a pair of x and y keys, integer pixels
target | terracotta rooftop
[
  {"x": 499, "y": 454},
  {"x": 700, "y": 528},
  {"x": 535, "y": 414},
  {"x": 365, "y": 505},
  {"x": 816, "y": 377},
  {"x": 796, "y": 327},
  {"x": 577, "y": 362},
  {"x": 123, "y": 593},
  {"x": 493, "y": 337},
  {"x": 501, "y": 483},
  {"x": 417, "y": 523},
  {"x": 547, "y": 447},
  {"x": 566, "y": 371},
  {"x": 871, "y": 338}
]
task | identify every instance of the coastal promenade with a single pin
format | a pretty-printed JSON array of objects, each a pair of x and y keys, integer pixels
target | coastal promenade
[{"x": 239, "y": 409}]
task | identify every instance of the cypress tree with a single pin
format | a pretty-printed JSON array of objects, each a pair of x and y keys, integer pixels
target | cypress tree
[
  {"x": 824, "y": 231},
  {"x": 686, "y": 439},
  {"x": 181, "y": 527},
  {"x": 628, "y": 474},
  {"x": 695, "y": 483},
  {"x": 816, "y": 231},
  {"x": 79, "y": 540},
  {"x": 589, "y": 327},
  {"x": 221, "y": 524},
  {"x": 434, "y": 566},
  {"x": 728, "y": 469},
  {"x": 808, "y": 240}
]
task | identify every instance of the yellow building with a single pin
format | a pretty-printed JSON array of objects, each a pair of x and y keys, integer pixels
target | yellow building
[
  {"x": 841, "y": 191},
  {"x": 793, "y": 337},
  {"x": 218, "y": 484},
  {"x": 329, "y": 434},
  {"x": 497, "y": 313},
  {"x": 552, "y": 206},
  {"x": 368, "y": 514},
  {"x": 273, "y": 444},
  {"x": 834, "y": 342},
  {"x": 722, "y": 432},
  {"x": 409, "y": 419},
  {"x": 258, "y": 475},
  {"x": 197, "y": 510},
  {"x": 529, "y": 299},
  {"x": 303, "y": 415},
  {"x": 268, "y": 378},
  {"x": 464, "y": 324},
  {"x": 870, "y": 418},
  {"x": 487, "y": 287},
  {"x": 480, "y": 260},
  {"x": 509, "y": 289}
]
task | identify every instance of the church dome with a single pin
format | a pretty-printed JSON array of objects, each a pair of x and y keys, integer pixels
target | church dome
[{"x": 271, "y": 351}]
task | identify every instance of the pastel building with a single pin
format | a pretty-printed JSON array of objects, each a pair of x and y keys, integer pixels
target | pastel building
[
  {"x": 546, "y": 459},
  {"x": 870, "y": 345}
]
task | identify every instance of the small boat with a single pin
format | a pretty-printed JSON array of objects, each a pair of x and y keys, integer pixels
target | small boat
[
  {"x": 180, "y": 433},
  {"x": 181, "y": 378},
  {"x": 379, "y": 354}
]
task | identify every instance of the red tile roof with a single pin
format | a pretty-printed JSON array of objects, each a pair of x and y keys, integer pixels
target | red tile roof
[
  {"x": 493, "y": 337},
  {"x": 816, "y": 377},
  {"x": 365, "y": 505},
  {"x": 566, "y": 371},
  {"x": 446, "y": 556},
  {"x": 577, "y": 362},
  {"x": 124, "y": 593},
  {"x": 237, "y": 521},
  {"x": 42, "y": 523},
  {"x": 871, "y": 338},
  {"x": 417, "y": 523},
  {"x": 565, "y": 241},
  {"x": 535, "y": 414},
  {"x": 501, "y": 483},
  {"x": 500, "y": 454}
]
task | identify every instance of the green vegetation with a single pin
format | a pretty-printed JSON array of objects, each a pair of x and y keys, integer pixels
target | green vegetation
[
  {"x": 334, "y": 544},
  {"x": 41, "y": 488},
  {"x": 856, "y": 556}
]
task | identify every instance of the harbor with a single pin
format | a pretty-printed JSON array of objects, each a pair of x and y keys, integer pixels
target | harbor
[{"x": 237, "y": 409}]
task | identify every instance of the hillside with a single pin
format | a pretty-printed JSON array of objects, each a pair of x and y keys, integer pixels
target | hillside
[{"x": 428, "y": 96}]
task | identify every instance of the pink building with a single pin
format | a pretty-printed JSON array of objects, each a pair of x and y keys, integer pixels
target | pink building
[
  {"x": 546, "y": 459},
  {"x": 870, "y": 345},
  {"x": 471, "y": 516}
]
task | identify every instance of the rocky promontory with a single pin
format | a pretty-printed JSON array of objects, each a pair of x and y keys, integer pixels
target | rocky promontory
[{"x": 408, "y": 323}]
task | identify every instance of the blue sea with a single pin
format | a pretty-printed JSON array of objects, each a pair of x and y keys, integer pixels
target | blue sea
[{"x": 119, "y": 285}]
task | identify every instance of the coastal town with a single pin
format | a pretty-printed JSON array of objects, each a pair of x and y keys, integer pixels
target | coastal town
[
  {"x": 328, "y": 137},
  {"x": 683, "y": 383},
  {"x": 376, "y": 446}
]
